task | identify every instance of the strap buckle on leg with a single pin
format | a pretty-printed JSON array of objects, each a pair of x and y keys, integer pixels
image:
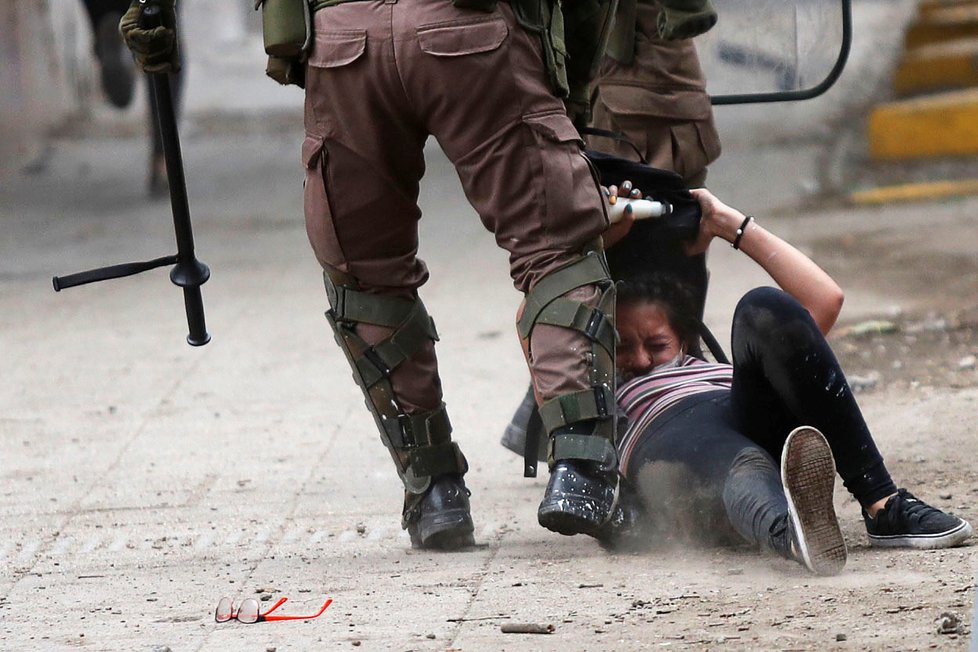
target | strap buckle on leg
[
  {"x": 597, "y": 325},
  {"x": 584, "y": 405}
]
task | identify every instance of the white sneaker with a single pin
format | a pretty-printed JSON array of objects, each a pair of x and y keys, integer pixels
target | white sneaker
[{"x": 808, "y": 476}]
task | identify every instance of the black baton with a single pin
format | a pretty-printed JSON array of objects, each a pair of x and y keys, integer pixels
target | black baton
[{"x": 188, "y": 272}]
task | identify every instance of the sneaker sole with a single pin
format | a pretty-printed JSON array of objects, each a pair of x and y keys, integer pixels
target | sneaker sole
[
  {"x": 808, "y": 475},
  {"x": 948, "y": 539}
]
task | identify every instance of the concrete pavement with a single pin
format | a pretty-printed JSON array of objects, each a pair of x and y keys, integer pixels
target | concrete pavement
[{"x": 142, "y": 479}]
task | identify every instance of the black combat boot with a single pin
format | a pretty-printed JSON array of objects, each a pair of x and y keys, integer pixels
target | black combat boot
[
  {"x": 580, "y": 498},
  {"x": 440, "y": 519}
]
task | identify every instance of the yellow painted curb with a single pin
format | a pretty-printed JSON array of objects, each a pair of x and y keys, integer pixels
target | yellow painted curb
[
  {"x": 927, "y": 8},
  {"x": 943, "y": 25},
  {"x": 940, "y": 66},
  {"x": 936, "y": 125},
  {"x": 915, "y": 192}
]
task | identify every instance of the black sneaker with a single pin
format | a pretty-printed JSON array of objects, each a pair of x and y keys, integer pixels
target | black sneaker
[
  {"x": 808, "y": 476},
  {"x": 579, "y": 499},
  {"x": 441, "y": 519},
  {"x": 908, "y": 522}
]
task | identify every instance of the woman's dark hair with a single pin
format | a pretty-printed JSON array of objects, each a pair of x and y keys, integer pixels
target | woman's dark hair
[{"x": 676, "y": 299}]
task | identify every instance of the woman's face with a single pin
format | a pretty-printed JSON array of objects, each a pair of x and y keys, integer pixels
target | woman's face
[{"x": 646, "y": 338}]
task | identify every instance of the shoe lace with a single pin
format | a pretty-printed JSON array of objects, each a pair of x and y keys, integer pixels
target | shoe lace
[{"x": 913, "y": 507}]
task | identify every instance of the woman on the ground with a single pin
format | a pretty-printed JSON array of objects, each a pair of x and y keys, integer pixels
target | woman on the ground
[{"x": 700, "y": 449}]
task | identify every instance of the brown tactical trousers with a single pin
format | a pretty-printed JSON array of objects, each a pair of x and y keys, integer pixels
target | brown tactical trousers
[
  {"x": 659, "y": 102},
  {"x": 381, "y": 78}
]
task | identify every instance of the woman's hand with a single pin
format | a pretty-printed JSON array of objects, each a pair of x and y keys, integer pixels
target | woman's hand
[
  {"x": 614, "y": 233},
  {"x": 718, "y": 221}
]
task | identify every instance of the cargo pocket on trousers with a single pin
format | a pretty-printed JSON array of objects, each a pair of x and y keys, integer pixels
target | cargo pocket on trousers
[
  {"x": 570, "y": 183},
  {"x": 338, "y": 48},
  {"x": 694, "y": 146},
  {"x": 675, "y": 127},
  {"x": 331, "y": 62},
  {"x": 319, "y": 215},
  {"x": 459, "y": 38}
]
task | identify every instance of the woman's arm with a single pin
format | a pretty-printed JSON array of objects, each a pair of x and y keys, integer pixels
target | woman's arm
[{"x": 792, "y": 270}]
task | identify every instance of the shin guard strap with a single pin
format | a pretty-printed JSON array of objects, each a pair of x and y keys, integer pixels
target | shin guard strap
[
  {"x": 409, "y": 431},
  {"x": 585, "y": 447},
  {"x": 437, "y": 460},
  {"x": 589, "y": 270},
  {"x": 593, "y": 323},
  {"x": 596, "y": 403},
  {"x": 351, "y": 305},
  {"x": 378, "y": 361}
]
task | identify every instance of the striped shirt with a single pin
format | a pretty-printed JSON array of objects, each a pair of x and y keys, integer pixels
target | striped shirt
[{"x": 646, "y": 397}]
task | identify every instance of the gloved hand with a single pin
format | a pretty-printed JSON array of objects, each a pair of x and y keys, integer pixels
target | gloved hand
[
  {"x": 681, "y": 19},
  {"x": 156, "y": 49}
]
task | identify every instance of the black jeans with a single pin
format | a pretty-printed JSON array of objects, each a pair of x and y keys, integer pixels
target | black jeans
[{"x": 707, "y": 465}]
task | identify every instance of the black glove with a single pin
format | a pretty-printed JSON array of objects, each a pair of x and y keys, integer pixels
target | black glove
[
  {"x": 680, "y": 19},
  {"x": 155, "y": 49}
]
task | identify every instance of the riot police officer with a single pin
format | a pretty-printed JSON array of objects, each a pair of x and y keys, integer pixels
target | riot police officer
[{"x": 485, "y": 80}]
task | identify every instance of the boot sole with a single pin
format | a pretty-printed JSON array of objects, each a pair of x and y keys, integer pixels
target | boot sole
[
  {"x": 808, "y": 476},
  {"x": 449, "y": 530},
  {"x": 571, "y": 514}
]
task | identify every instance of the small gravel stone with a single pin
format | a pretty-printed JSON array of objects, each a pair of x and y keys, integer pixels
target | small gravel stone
[
  {"x": 864, "y": 382},
  {"x": 948, "y": 623}
]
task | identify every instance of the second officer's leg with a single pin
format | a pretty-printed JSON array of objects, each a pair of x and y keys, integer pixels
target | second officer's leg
[{"x": 479, "y": 82}]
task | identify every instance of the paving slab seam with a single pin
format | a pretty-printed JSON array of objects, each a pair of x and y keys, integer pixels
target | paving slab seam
[{"x": 474, "y": 594}]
